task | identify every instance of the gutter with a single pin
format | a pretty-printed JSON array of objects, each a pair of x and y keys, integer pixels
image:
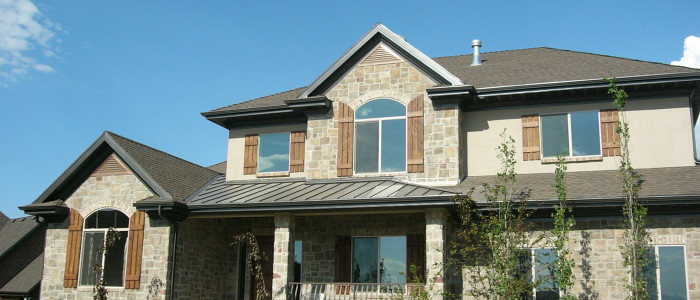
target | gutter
[{"x": 176, "y": 229}]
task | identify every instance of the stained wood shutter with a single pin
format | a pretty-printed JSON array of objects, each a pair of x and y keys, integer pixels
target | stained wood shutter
[
  {"x": 415, "y": 135},
  {"x": 135, "y": 252},
  {"x": 608, "y": 132},
  {"x": 531, "y": 137},
  {"x": 75, "y": 239},
  {"x": 415, "y": 248},
  {"x": 342, "y": 258},
  {"x": 296, "y": 161},
  {"x": 346, "y": 133},
  {"x": 250, "y": 159}
]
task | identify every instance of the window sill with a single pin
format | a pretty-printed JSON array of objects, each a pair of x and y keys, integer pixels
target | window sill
[
  {"x": 272, "y": 174},
  {"x": 553, "y": 160},
  {"x": 88, "y": 288},
  {"x": 387, "y": 174}
]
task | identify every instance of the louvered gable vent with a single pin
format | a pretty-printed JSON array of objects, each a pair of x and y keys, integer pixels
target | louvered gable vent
[
  {"x": 111, "y": 166},
  {"x": 380, "y": 56}
]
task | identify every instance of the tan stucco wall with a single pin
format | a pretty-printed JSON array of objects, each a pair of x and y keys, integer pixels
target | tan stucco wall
[
  {"x": 661, "y": 131},
  {"x": 116, "y": 192},
  {"x": 236, "y": 148}
]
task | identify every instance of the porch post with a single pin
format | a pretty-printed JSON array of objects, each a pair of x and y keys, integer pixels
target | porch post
[
  {"x": 283, "y": 260},
  {"x": 435, "y": 257}
]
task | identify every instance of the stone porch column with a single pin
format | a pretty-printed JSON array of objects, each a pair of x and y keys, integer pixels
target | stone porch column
[
  {"x": 435, "y": 257},
  {"x": 283, "y": 257}
]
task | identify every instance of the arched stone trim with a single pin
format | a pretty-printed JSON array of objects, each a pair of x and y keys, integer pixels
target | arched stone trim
[
  {"x": 381, "y": 94},
  {"x": 93, "y": 207}
]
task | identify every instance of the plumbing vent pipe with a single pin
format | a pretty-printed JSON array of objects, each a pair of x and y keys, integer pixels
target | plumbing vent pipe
[{"x": 476, "y": 61}]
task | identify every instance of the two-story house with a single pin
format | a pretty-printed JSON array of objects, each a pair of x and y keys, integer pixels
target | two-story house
[{"x": 349, "y": 181}]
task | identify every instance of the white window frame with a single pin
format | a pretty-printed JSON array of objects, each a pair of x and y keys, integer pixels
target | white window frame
[
  {"x": 379, "y": 247},
  {"x": 533, "y": 268},
  {"x": 379, "y": 150},
  {"x": 289, "y": 152},
  {"x": 102, "y": 262},
  {"x": 571, "y": 143},
  {"x": 658, "y": 270}
]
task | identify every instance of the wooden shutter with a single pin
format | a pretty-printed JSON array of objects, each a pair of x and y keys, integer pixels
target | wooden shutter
[
  {"x": 135, "y": 252},
  {"x": 297, "y": 152},
  {"x": 608, "y": 132},
  {"x": 75, "y": 239},
  {"x": 415, "y": 248},
  {"x": 531, "y": 137},
  {"x": 415, "y": 135},
  {"x": 343, "y": 258},
  {"x": 346, "y": 133},
  {"x": 250, "y": 160}
]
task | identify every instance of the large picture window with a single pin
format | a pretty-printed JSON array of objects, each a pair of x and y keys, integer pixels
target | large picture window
[
  {"x": 666, "y": 278},
  {"x": 379, "y": 259},
  {"x": 274, "y": 153},
  {"x": 380, "y": 131},
  {"x": 571, "y": 134},
  {"x": 113, "y": 259}
]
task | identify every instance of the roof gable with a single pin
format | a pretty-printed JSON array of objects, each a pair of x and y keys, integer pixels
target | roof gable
[
  {"x": 169, "y": 177},
  {"x": 367, "y": 44}
]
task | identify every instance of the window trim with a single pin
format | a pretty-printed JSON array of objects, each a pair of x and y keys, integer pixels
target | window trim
[
  {"x": 352, "y": 256},
  {"x": 289, "y": 154},
  {"x": 657, "y": 270},
  {"x": 104, "y": 231},
  {"x": 379, "y": 148},
  {"x": 571, "y": 157}
]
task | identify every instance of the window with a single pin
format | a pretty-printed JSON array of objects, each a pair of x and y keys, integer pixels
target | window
[
  {"x": 571, "y": 134},
  {"x": 274, "y": 153},
  {"x": 538, "y": 265},
  {"x": 297, "y": 260},
  {"x": 112, "y": 260},
  {"x": 380, "y": 131},
  {"x": 666, "y": 278},
  {"x": 379, "y": 259}
]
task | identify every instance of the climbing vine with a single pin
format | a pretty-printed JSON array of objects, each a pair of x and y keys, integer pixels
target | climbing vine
[
  {"x": 636, "y": 237},
  {"x": 254, "y": 261}
]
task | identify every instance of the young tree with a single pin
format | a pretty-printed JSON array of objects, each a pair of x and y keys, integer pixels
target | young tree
[
  {"x": 490, "y": 242},
  {"x": 99, "y": 291},
  {"x": 636, "y": 243},
  {"x": 563, "y": 222},
  {"x": 254, "y": 262}
]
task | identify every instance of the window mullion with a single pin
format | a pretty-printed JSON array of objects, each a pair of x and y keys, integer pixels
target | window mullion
[
  {"x": 658, "y": 272},
  {"x": 571, "y": 137},
  {"x": 379, "y": 155}
]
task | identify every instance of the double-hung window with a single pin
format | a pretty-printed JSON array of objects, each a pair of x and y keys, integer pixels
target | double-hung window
[
  {"x": 273, "y": 154},
  {"x": 112, "y": 260},
  {"x": 666, "y": 277},
  {"x": 571, "y": 134},
  {"x": 380, "y": 137},
  {"x": 379, "y": 259},
  {"x": 539, "y": 267}
]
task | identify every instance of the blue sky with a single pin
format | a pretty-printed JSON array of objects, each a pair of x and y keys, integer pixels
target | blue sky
[{"x": 145, "y": 69}]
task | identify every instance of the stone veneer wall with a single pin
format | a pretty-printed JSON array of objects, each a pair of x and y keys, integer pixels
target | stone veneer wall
[
  {"x": 600, "y": 273},
  {"x": 318, "y": 237},
  {"x": 399, "y": 81},
  {"x": 118, "y": 192}
]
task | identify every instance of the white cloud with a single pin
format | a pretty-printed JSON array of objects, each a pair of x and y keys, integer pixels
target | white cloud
[
  {"x": 24, "y": 33},
  {"x": 691, "y": 53}
]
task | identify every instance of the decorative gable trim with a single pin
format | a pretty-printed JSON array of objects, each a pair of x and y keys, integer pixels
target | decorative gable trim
[{"x": 380, "y": 34}]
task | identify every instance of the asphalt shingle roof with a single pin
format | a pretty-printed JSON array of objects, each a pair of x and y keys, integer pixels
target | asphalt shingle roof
[
  {"x": 668, "y": 182},
  {"x": 21, "y": 254},
  {"x": 180, "y": 178},
  {"x": 513, "y": 67}
]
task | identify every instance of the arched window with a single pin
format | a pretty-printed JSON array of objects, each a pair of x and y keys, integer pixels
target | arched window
[
  {"x": 113, "y": 259},
  {"x": 380, "y": 137}
]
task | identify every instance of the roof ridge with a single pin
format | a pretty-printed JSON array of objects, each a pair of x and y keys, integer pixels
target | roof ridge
[
  {"x": 160, "y": 151},
  {"x": 299, "y": 88},
  {"x": 499, "y": 51},
  {"x": 623, "y": 58}
]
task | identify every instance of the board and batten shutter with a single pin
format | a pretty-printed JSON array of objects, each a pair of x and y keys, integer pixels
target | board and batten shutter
[
  {"x": 415, "y": 135},
  {"x": 346, "y": 133},
  {"x": 415, "y": 248},
  {"x": 297, "y": 151},
  {"x": 610, "y": 138},
  {"x": 342, "y": 258},
  {"x": 250, "y": 155},
  {"x": 135, "y": 251},
  {"x": 75, "y": 239},
  {"x": 531, "y": 137}
]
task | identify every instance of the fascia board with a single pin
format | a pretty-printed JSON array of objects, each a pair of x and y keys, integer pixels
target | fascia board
[{"x": 393, "y": 38}]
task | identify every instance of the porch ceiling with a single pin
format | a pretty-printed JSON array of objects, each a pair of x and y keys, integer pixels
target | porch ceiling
[{"x": 290, "y": 191}]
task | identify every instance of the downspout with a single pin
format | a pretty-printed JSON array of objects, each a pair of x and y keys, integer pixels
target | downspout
[{"x": 176, "y": 228}]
